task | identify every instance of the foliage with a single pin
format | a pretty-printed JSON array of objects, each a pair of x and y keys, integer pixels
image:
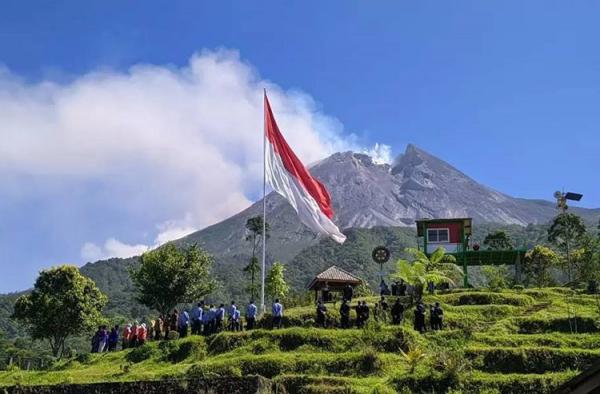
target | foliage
[
  {"x": 168, "y": 276},
  {"x": 492, "y": 342},
  {"x": 62, "y": 303},
  {"x": 254, "y": 226},
  {"x": 496, "y": 277},
  {"x": 363, "y": 290},
  {"x": 566, "y": 233},
  {"x": 498, "y": 240},
  {"x": 586, "y": 260},
  {"x": 413, "y": 357},
  {"x": 537, "y": 263},
  {"x": 276, "y": 286},
  {"x": 566, "y": 230},
  {"x": 253, "y": 269},
  {"x": 139, "y": 354},
  {"x": 425, "y": 269}
]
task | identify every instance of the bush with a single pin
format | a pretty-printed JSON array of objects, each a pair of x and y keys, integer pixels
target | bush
[
  {"x": 139, "y": 354},
  {"x": 496, "y": 277},
  {"x": 487, "y": 298},
  {"x": 84, "y": 358},
  {"x": 369, "y": 362},
  {"x": 268, "y": 367},
  {"x": 225, "y": 342},
  {"x": 178, "y": 351},
  {"x": 531, "y": 360},
  {"x": 202, "y": 371},
  {"x": 172, "y": 335},
  {"x": 533, "y": 325}
]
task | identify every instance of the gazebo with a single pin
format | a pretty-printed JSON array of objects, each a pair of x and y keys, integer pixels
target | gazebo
[{"x": 333, "y": 279}]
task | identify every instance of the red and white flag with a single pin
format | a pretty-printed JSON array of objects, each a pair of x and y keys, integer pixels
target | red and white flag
[{"x": 288, "y": 177}]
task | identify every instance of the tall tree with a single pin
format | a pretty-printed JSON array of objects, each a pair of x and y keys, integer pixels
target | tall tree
[
  {"x": 498, "y": 240},
  {"x": 254, "y": 226},
  {"x": 275, "y": 286},
  {"x": 567, "y": 232},
  {"x": 168, "y": 276},
  {"x": 62, "y": 303},
  {"x": 537, "y": 263},
  {"x": 438, "y": 268}
]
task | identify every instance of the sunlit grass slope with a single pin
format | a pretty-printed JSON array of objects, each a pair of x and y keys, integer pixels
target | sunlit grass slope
[{"x": 521, "y": 342}]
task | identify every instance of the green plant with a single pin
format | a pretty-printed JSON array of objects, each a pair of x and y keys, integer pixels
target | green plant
[
  {"x": 496, "y": 277},
  {"x": 275, "y": 285},
  {"x": 62, "y": 303},
  {"x": 140, "y": 354},
  {"x": 168, "y": 276},
  {"x": 413, "y": 357},
  {"x": 426, "y": 269},
  {"x": 369, "y": 361},
  {"x": 537, "y": 263}
]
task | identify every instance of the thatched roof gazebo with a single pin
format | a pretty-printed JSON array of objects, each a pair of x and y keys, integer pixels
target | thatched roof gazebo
[{"x": 333, "y": 279}]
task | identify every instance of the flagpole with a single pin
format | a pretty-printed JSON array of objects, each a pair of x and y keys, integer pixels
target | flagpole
[{"x": 264, "y": 221}]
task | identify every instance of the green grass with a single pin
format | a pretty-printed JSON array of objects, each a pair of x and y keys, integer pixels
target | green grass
[{"x": 493, "y": 342}]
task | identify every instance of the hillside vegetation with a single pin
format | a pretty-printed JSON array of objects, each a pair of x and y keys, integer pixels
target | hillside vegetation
[
  {"x": 112, "y": 276},
  {"x": 508, "y": 341}
]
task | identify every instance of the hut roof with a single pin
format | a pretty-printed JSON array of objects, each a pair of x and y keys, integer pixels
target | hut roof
[{"x": 335, "y": 274}]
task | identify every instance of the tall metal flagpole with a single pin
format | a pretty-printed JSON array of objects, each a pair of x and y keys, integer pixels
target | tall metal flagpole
[{"x": 264, "y": 221}]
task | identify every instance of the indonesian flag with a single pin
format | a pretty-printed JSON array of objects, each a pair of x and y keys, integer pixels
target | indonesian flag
[{"x": 288, "y": 177}]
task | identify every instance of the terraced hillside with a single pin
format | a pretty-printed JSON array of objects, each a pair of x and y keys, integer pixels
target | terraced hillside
[{"x": 508, "y": 342}]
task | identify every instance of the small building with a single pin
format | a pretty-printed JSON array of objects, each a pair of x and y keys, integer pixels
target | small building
[
  {"x": 451, "y": 234},
  {"x": 333, "y": 279},
  {"x": 454, "y": 235}
]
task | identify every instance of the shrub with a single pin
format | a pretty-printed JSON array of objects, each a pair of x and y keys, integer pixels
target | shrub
[
  {"x": 203, "y": 371},
  {"x": 84, "y": 358},
  {"x": 413, "y": 357},
  {"x": 531, "y": 325},
  {"x": 140, "y": 354},
  {"x": 532, "y": 360},
  {"x": 267, "y": 367},
  {"x": 487, "y": 298},
  {"x": 227, "y": 341},
  {"x": 496, "y": 277},
  {"x": 178, "y": 351},
  {"x": 172, "y": 335},
  {"x": 369, "y": 362}
]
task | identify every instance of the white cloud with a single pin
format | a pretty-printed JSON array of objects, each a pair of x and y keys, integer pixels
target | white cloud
[
  {"x": 182, "y": 143},
  {"x": 111, "y": 248}
]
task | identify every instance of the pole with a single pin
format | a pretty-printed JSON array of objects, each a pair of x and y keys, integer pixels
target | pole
[{"x": 264, "y": 229}]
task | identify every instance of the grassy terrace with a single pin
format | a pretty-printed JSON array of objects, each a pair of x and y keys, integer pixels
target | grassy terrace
[{"x": 493, "y": 342}]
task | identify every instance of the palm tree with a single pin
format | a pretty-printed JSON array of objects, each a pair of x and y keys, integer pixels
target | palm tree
[{"x": 438, "y": 268}]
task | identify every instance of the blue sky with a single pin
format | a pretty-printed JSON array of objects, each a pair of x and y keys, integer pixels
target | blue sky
[{"x": 507, "y": 92}]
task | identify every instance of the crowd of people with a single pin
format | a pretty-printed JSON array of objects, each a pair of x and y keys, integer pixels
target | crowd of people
[
  {"x": 207, "y": 319},
  {"x": 203, "y": 319},
  {"x": 382, "y": 312}
]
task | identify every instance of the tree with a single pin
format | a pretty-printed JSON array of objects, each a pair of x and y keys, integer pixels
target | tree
[
  {"x": 168, "y": 276},
  {"x": 495, "y": 276},
  {"x": 498, "y": 240},
  {"x": 62, "y": 303},
  {"x": 255, "y": 227},
  {"x": 537, "y": 263},
  {"x": 566, "y": 232},
  {"x": 439, "y": 268},
  {"x": 276, "y": 287},
  {"x": 586, "y": 261}
]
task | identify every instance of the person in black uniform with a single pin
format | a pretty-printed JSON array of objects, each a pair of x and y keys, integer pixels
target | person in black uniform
[
  {"x": 321, "y": 314},
  {"x": 419, "y": 324},
  {"x": 397, "y": 312},
  {"x": 345, "y": 314}
]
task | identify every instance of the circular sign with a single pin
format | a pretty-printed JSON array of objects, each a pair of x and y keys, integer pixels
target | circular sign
[
  {"x": 476, "y": 247},
  {"x": 381, "y": 254}
]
